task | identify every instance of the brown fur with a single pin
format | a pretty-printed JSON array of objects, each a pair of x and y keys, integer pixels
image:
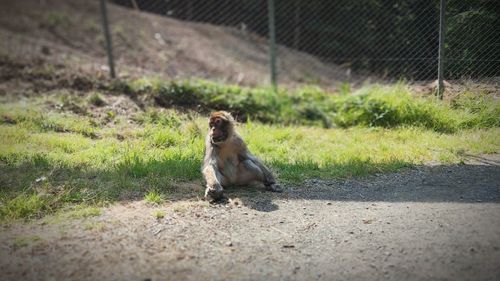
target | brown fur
[{"x": 228, "y": 161}]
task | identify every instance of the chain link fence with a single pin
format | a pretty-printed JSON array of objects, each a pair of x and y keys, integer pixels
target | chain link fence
[
  {"x": 317, "y": 42},
  {"x": 342, "y": 40}
]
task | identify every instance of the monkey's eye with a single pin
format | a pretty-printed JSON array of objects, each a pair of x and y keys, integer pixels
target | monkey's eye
[{"x": 217, "y": 121}]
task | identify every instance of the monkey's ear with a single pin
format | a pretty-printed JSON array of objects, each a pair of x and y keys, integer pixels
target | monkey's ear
[{"x": 230, "y": 117}]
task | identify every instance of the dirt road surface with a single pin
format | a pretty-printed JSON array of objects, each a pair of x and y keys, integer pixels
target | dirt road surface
[{"x": 425, "y": 223}]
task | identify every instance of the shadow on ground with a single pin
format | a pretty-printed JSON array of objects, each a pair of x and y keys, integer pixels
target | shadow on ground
[{"x": 476, "y": 181}]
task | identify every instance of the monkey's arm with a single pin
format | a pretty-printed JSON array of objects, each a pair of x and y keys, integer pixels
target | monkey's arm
[{"x": 214, "y": 179}]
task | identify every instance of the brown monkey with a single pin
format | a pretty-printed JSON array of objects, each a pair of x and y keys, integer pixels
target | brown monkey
[{"x": 228, "y": 161}]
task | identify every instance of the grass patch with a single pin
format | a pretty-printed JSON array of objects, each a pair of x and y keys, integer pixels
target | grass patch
[
  {"x": 153, "y": 197},
  {"x": 51, "y": 158},
  {"x": 24, "y": 206},
  {"x": 374, "y": 106},
  {"x": 96, "y": 99},
  {"x": 95, "y": 225},
  {"x": 82, "y": 212},
  {"x": 159, "y": 214}
]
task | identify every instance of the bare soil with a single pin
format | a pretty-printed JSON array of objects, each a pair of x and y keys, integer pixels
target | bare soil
[{"x": 432, "y": 222}]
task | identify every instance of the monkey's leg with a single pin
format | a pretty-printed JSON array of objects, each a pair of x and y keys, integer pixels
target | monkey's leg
[
  {"x": 253, "y": 170},
  {"x": 215, "y": 180},
  {"x": 248, "y": 172}
]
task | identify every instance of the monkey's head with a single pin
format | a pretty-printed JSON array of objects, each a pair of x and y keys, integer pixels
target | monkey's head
[{"x": 221, "y": 125}]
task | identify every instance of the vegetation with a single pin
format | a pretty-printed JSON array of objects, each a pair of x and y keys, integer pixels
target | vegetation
[
  {"x": 56, "y": 156},
  {"x": 159, "y": 214},
  {"x": 153, "y": 197},
  {"x": 372, "y": 106}
]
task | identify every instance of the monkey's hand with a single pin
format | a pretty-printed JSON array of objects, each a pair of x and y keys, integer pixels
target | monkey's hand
[
  {"x": 214, "y": 192},
  {"x": 275, "y": 187}
]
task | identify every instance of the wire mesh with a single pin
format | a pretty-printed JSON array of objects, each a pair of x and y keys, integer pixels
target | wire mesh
[
  {"x": 472, "y": 39},
  {"x": 342, "y": 40}
]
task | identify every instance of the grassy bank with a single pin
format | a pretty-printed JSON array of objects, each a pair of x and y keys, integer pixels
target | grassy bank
[
  {"x": 371, "y": 106},
  {"x": 56, "y": 152}
]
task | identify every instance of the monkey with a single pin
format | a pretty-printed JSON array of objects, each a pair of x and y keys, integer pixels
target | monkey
[{"x": 228, "y": 161}]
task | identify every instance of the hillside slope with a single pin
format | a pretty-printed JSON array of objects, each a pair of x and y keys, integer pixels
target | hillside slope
[{"x": 70, "y": 31}]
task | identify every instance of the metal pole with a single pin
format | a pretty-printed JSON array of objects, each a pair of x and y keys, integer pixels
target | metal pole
[
  {"x": 107, "y": 35},
  {"x": 442, "y": 12},
  {"x": 272, "y": 43}
]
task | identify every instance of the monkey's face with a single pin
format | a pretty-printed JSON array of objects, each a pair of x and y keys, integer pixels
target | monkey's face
[{"x": 219, "y": 129}]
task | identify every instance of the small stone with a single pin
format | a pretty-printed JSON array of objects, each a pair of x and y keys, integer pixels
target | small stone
[
  {"x": 328, "y": 203},
  {"x": 229, "y": 244},
  {"x": 40, "y": 179}
]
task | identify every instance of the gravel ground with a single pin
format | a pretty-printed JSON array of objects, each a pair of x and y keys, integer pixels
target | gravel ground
[{"x": 430, "y": 222}]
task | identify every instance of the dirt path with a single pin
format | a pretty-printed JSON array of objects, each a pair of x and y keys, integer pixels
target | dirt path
[{"x": 426, "y": 223}]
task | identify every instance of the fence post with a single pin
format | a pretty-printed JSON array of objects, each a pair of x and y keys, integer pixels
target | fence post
[
  {"x": 272, "y": 43},
  {"x": 107, "y": 35},
  {"x": 442, "y": 13}
]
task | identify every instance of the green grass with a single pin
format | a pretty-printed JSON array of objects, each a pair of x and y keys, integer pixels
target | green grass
[
  {"x": 153, "y": 197},
  {"x": 371, "y": 106},
  {"x": 95, "y": 225},
  {"x": 24, "y": 206},
  {"x": 81, "y": 212},
  {"x": 159, "y": 214},
  {"x": 51, "y": 158}
]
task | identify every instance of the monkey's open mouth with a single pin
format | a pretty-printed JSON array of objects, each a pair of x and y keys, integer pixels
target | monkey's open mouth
[
  {"x": 218, "y": 135},
  {"x": 219, "y": 138}
]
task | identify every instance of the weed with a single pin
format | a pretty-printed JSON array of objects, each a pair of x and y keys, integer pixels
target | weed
[
  {"x": 94, "y": 225},
  {"x": 153, "y": 197},
  {"x": 96, "y": 99},
  {"x": 23, "y": 206},
  {"x": 181, "y": 208},
  {"x": 159, "y": 214},
  {"x": 81, "y": 212}
]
